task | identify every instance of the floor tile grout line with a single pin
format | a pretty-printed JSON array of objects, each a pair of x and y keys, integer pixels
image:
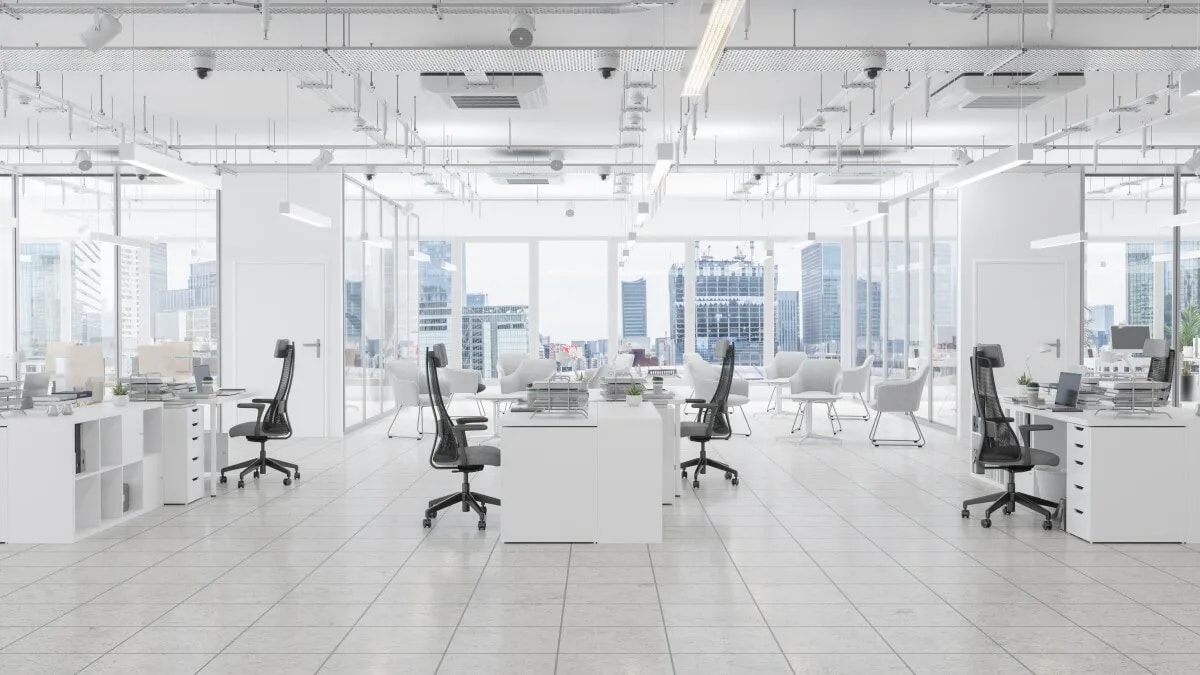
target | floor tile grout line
[
  {"x": 467, "y": 606},
  {"x": 662, "y": 612},
  {"x": 562, "y": 617}
]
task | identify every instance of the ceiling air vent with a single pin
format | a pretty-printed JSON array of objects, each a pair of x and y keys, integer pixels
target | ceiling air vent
[
  {"x": 487, "y": 91},
  {"x": 1017, "y": 91},
  {"x": 523, "y": 180}
]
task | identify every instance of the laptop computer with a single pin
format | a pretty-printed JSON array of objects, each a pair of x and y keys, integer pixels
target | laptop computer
[{"x": 1066, "y": 398}]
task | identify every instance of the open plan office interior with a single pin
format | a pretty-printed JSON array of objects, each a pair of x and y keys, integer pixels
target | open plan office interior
[{"x": 600, "y": 336}]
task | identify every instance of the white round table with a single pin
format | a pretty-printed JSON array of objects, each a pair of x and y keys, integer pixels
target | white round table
[
  {"x": 775, "y": 401},
  {"x": 807, "y": 400}
]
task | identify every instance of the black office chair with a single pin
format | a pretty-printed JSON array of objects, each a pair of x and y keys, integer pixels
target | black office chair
[
  {"x": 1001, "y": 449},
  {"x": 451, "y": 452},
  {"x": 711, "y": 421},
  {"x": 271, "y": 424}
]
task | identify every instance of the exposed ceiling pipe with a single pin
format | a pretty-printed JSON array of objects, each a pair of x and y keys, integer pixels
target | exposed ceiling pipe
[
  {"x": 1092, "y": 122},
  {"x": 439, "y": 9},
  {"x": 75, "y": 112},
  {"x": 831, "y": 111},
  {"x": 1144, "y": 10}
]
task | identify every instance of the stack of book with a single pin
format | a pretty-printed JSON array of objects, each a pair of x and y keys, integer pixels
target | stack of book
[
  {"x": 10, "y": 395},
  {"x": 151, "y": 388}
]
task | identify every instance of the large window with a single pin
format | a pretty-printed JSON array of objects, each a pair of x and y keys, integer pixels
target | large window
[
  {"x": 66, "y": 309},
  {"x": 573, "y": 289},
  {"x": 495, "y": 304},
  {"x": 651, "y": 311},
  {"x": 433, "y": 294},
  {"x": 808, "y": 299},
  {"x": 730, "y": 286},
  {"x": 168, "y": 270}
]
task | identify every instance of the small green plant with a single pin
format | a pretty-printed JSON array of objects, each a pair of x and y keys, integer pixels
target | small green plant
[
  {"x": 1024, "y": 380},
  {"x": 120, "y": 389},
  {"x": 635, "y": 390}
]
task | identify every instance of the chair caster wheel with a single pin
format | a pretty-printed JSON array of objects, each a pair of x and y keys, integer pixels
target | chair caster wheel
[
  {"x": 255, "y": 475},
  {"x": 483, "y": 525},
  {"x": 1006, "y": 510},
  {"x": 728, "y": 475},
  {"x": 966, "y": 513},
  {"x": 427, "y": 523},
  {"x": 430, "y": 514},
  {"x": 287, "y": 481},
  {"x": 224, "y": 479},
  {"x": 695, "y": 485},
  {"x": 986, "y": 523},
  {"x": 683, "y": 473},
  {"x": 735, "y": 480},
  {"x": 241, "y": 483},
  {"x": 1047, "y": 525},
  {"x": 296, "y": 476}
]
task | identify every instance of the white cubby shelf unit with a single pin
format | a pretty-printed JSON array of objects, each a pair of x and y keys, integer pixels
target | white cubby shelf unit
[{"x": 50, "y": 496}]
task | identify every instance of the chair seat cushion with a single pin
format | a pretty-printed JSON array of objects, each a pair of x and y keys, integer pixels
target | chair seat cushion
[
  {"x": 483, "y": 455},
  {"x": 247, "y": 429},
  {"x": 690, "y": 429},
  {"x": 1006, "y": 456},
  {"x": 737, "y": 400}
]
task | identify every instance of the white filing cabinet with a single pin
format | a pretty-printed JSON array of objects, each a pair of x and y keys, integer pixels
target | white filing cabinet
[
  {"x": 1127, "y": 484},
  {"x": 183, "y": 462}
]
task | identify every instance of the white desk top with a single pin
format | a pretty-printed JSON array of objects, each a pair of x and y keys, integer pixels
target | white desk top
[
  {"x": 1179, "y": 417},
  {"x": 87, "y": 413},
  {"x": 818, "y": 396},
  {"x": 215, "y": 399},
  {"x": 608, "y": 412},
  {"x": 497, "y": 395}
]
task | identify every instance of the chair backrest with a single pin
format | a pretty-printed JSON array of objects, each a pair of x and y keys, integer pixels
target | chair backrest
[
  {"x": 445, "y": 451},
  {"x": 989, "y": 412},
  {"x": 822, "y": 375},
  {"x": 534, "y": 370},
  {"x": 697, "y": 369},
  {"x": 406, "y": 371},
  {"x": 1162, "y": 368},
  {"x": 622, "y": 363},
  {"x": 720, "y": 397},
  {"x": 275, "y": 419},
  {"x": 506, "y": 364},
  {"x": 785, "y": 364}
]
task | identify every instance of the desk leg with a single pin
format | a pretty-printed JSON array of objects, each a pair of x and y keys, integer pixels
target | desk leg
[{"x": 213, "y": 435}]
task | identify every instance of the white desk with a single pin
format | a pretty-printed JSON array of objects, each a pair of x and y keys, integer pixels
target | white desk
[
  {"x": 807, "y": 400},
  {"x": 671, "y": 411},
  {"x": 567, "y": 478},
  {"x": 215, "y": 404},
  {"x": 1130, "y": 478},
  {"x": 496, "y": 398}
]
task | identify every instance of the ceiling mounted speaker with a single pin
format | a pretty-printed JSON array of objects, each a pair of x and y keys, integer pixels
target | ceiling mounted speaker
[{"x": 520, "y": 32}]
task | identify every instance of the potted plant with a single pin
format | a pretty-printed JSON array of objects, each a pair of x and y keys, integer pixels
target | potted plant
[
  {"x": 1187, "y": 382},
  {"x": 633, "y": 395},
  {"x": 120, "y": 394},
  {"x": 1189, "y": 329},
  {"x": 1031, "y": 388}
]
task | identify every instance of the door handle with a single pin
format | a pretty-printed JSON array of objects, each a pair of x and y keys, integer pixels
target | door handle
[{"x": 316, "y": 344}]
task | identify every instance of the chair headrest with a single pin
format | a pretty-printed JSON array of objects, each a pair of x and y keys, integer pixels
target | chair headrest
[
  {"x": 993, "y": 353},
  {"x": 722, "y": 346},
  {"x": 438, "y": 353},
  {"x": 281, "y": 347}
]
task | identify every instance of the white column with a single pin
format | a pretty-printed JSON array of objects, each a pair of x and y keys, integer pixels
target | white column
[
  {"x": 456, "y": 304},
  {"x": 689, "y": 298},
  {"x": 849, "y": 323},
  {"x": 9, "y": 264},
  {"x": 535, "y": 338},
  {"x": 769, "y": 304},
  {"x": 614, "y": 300},
  {"x": 885, "y": 302},
  {"x": 1157, "y": 321}
]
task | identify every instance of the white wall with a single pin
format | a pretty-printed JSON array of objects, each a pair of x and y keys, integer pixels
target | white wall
[
  {"x": 253, "y": 231},
  {"x": 999, "y": 216}
]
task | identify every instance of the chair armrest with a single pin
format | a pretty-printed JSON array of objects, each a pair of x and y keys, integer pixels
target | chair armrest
[
  {"x": 469, "y": 420},
  {"x": 267, "y": 401},
  {"x": 470, "y": 427},
  {"x": 1027, "y": 432},
  {"x": 695, "y": 400},
  {"x": 259, "y": 406},
  {"x": 705, "y": 406},
  {"x": 253, "y": 406},
  {"x": 739, "y": 386}
]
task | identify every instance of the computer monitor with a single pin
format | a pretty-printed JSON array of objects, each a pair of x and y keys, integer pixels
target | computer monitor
[
  {"x": 201, "y": 371},
  {"x": 1130, "y": 338},
  {"x": 1067, "y": 394}
]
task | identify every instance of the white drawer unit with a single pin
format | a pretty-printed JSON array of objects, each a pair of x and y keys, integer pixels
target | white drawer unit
[
  {"x": 183, "y": 457},
  {"x": 1124, "y": 483}
]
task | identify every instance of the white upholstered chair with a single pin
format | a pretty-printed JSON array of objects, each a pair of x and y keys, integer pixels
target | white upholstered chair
[
  {"x": 900, "y": 396},
  {"x": 622, "y": 364},
  {"x": 506, "y": 364},
  {"x": 410, "y": 388},
  {"x": 818, "y": 376},
  {"x": 529, "y": 371},
  {"x": 854, "y": 382},
  {"x": 784, "y": 365}
]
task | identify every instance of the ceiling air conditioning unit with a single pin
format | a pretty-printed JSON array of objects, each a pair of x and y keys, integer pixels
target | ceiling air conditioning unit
[
  {"x": 487, "y": 91},
  {"x": 510, "y": 176},
  {"x": 973, "y": 91},
  {"x": 849, "y": 176}
]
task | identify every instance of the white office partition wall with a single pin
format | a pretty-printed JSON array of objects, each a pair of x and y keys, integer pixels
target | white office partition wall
[
  {"x": 612, "y": 315},
  {"x": 1011, "y": 295},
  {"x": 284, "y": 279},
  {"x": 8, "y": 277},
  {"x": 770, "y": 304},
  {"x": 535, "y": 303}
]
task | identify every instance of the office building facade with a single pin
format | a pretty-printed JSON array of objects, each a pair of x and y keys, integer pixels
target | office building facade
[
  {"x": 633, "y": 309},
  {"x": 787, "y": 321},
  {"x": 491, "y": 330},
  {"x": 729, "y": 304},
  {"x": 820, "y": 284}
]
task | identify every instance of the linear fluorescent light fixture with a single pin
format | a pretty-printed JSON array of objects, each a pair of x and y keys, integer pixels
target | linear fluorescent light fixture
[
  {"x": 384, "y": 244},
  {"x": 881, "y": 209},
  {"x": 996, "y": 163},
  {"x": 1189, "y": 82},
  {"x": 643, "y": 213},
  {"x": 721, "y": 19},
  {"x": 120, "y": 240},
  {"x": 1061, "y": 240},
  {"x": 449, "y": 266},
  {"x": 156, "y": 162},
  {"x": 419, "y": 256},
  {"x": 303, "y": 215},
  {"x": 665, "y": 157},
  {"x": 1167, "y": 257}
]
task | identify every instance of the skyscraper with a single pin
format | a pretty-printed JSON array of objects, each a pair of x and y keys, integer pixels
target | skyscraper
[
  {"x": 433, "y": 296},
  {"x": 477, "y": 300},
  {"x": 787, "y": 321},
  {"x": 820, "y": 281},
  {"x": 491, "y": 330},
  {"x": 60, "y": 295},
  {"x": 1139, "y": 284},
  {"x": 863, "y": 343},
  {"x": 1100, "y": 320},
  {"x": 729, "y": 304},
  {"x": 633, "y": 309}
]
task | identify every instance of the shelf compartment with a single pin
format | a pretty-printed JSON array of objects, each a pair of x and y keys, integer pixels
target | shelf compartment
[
  {"x": 87, "y": 502},
  {"x": 110, "y": 441},
  {"x": 112, "y": 494},
  {"x": 87, "y": 444}
]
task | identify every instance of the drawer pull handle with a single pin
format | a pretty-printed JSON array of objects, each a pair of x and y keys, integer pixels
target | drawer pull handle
[
  {"x": 1079, "y": 512},
  {"x": 195, "y": 410},
  {"x": 196, "y": 479},
  {"x": 1079, "y": 462},
  {"x": 1078, "y": 486},
  {"x": 1078, "y": 428},
  {"x": 196, "y": 424},
  {"x": 1079, "y": 445},
  {"x": 198, "y": 457},
  {"x": 195, "y": 438}
]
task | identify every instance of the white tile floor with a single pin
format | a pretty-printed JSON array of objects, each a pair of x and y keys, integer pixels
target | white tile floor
[{"x": 828, "y": 558}]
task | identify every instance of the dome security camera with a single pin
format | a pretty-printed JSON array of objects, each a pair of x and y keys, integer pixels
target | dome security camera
[
  {"x": 607, "y": 63},
  {"x": 604, "y": 172},
  {"x": 203, "y": 63},
  {"x": 556, "y": 160},
  {"x": 873, "y": 63},
  {"x": 520, "y": 31},
  {"x": 759, "y": 172},
  {"x": 570, "y": 212},
  {"x": 83, "y": 160}
]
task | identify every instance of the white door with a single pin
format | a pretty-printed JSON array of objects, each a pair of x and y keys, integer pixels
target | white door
[
  {"x": 275, "y": 301},
  {"x": 1021, "y": 305}
]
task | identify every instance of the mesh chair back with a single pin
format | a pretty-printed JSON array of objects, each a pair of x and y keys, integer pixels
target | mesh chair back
[
  {"x": 996, "y": 434},
  {"x": 275, "y": 419},
  {"x": 445, "y": 449},
  {"x": 715, "y": 419},
  {"x": 1162, "y": 368}
]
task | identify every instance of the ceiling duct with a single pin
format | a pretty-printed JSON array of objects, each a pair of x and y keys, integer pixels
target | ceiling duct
[
  {"x": 974, "y": 91},
  {"x": 492, "y": 91},
  {"x": 438, "y": 9}
]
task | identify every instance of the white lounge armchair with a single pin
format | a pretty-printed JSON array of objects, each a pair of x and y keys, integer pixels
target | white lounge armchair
[
  {"x": 784, "y": 365},
  {"x": 506, "y": 364},
  {"x": 855, "y": 382},
  {"x": 411, "y": 389},
  {"x": 622, "y": 364},
  {"x": 900, "y": 396},
  {"x": 704, "y": 376},
  {"x": 818, "y": 376},
  {"x": 529, "y": 371}
]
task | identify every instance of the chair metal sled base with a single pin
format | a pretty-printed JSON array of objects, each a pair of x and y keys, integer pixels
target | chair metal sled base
[
  {"x": 259, "y": 466},
  {"x": 919, "y": 441},
  {"x": 471, "y": 501},
  {"x": 1009, "y": 499},
  {"x": 420, "y": 424},
  {"x": 702, "y": 463},
  {"x": 866, "y": 416}
]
